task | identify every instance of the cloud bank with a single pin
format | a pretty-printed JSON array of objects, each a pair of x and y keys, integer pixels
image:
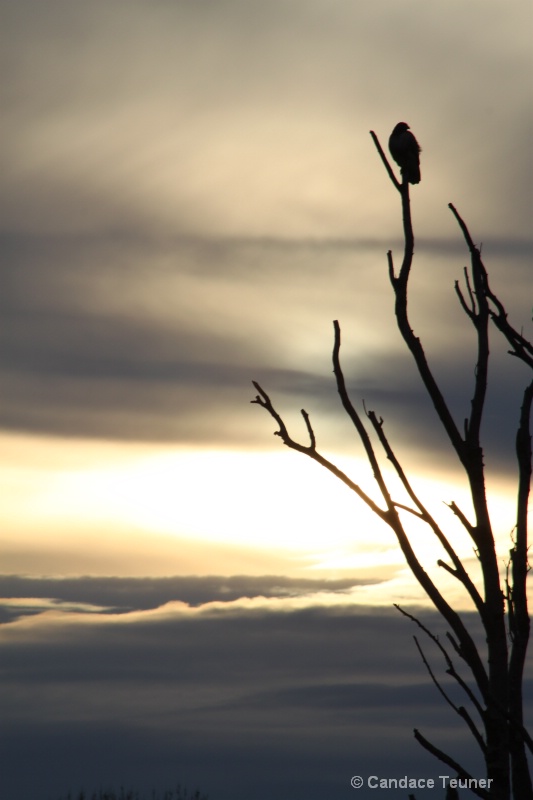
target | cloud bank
[{"x": 243, "y": 698}]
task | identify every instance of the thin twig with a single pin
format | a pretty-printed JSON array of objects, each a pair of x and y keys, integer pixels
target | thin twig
[
  {"x": 385, "y": 160},
  {"x": 460, "y": 572},
  {"x": 459, "y": 710},
  {"x": 263, "y": 400},
  {"x": 450, "y": 762},
  {"x": 449, "y": 663}
]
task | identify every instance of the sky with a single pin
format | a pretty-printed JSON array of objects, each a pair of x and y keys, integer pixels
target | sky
[{"x": 190, "y": 197}]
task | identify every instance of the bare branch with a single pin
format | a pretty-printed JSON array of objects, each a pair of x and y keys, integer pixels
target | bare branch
[
  {"x": 468, "y": 648},
  {"x": 471, "y": 655},
  {"x": 518, "y": 601},
  {"x": 460, "y": 573},
  {"x": 517, "y": 595},
  {"x": 499, "y": 681},
  {"x": 470, "y": 310},
  {"x": 399, "y": 285},
  {"x": 445, "y": 566},
  {"x": 523, "y": 454},
  {"x": 310, "y": 430},
  {"x": 521, "y": 347},
  {"x": 412, "y": 511},
  {"x": 385, "y": 160},
  {"x": 390, "y": 516},
  {"x": 263, "y": 400},
  {"x": 356, "y": 419},
  {"x": 459, "y": 710},
  {"x": 392, "y": 277},
  {"x": 449, "y": 663},
  {"x": 459, "y": 514},
  {"x": 450, "y": 762},
  {"x": 479, "y": 315}
]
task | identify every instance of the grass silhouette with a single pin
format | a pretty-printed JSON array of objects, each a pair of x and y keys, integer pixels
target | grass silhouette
[{"x": 177, "y": 794}]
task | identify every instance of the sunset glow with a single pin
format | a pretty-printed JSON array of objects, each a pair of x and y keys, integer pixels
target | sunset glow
[{"x": 169, "y": 501}]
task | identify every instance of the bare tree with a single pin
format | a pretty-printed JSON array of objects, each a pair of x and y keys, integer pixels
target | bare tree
[{"x": 494, "y": 683}]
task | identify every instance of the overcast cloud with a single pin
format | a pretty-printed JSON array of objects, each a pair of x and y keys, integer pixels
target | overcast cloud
[
  {"x": 189, "y": 197},
  {"x": 247, "y": 697}
]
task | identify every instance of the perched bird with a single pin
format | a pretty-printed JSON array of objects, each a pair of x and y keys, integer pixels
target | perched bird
[{"x": 405, "y": 150}]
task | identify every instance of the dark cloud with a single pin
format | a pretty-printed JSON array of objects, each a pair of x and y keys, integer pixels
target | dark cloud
[
  {"x": 241, "y": 701},
  {"x": 128, "y": 338},
  {"x": 122, "y": 595}
]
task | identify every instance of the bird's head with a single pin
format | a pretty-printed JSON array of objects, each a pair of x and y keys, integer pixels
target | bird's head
[{"x": 401, "y": 127}]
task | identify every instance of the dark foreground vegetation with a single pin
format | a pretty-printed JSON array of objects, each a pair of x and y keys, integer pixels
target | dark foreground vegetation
[{"x": 178, "y": 794}]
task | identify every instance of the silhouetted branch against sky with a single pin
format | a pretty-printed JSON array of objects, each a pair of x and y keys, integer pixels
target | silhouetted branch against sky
[
  {"x": 189, "y": 196},
  {"x": 498, "y": 680}
]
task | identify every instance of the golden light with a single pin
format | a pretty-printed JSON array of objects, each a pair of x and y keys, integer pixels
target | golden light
[{"x": 148, "y": 508}]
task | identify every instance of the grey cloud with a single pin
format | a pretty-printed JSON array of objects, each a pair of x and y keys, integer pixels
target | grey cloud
[
  {"x": 291, "y": 703},
  {"x": 123, "y": 595},
  {"x": 129, "y": 338},
  {"x": 411, "y": 421},
  {"x": 229, "y": 758},
  {"x": 99, "y": 105}
]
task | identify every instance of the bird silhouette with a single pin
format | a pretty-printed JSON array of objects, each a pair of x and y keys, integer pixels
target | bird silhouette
[{"x": 405, "y": 150}]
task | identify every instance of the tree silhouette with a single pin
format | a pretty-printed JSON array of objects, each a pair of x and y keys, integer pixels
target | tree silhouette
[{"x": 494, "y": 715}]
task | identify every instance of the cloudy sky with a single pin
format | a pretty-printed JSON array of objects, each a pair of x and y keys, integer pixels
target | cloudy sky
[{"x": 190, "y": 196}]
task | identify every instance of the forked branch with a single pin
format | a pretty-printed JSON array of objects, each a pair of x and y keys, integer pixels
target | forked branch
[
  {"x": 498, "y": 697},
  {"x": 263, "y": 400}
]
